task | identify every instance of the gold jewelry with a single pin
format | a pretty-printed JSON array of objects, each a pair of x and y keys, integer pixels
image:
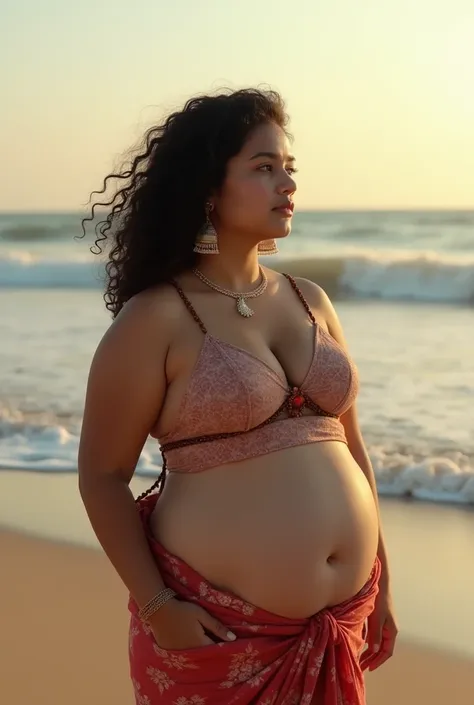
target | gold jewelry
[
  {"x": 240, "y": 297},
  {"x": 206, "y": 240},
  {"x": 156, "y": 603},
  {"x": 267, "y": 247}
]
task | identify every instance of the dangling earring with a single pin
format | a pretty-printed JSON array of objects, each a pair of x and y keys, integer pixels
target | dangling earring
[
  {"x": 267, "y": 247},
  {"x": 206, "y": 240}
]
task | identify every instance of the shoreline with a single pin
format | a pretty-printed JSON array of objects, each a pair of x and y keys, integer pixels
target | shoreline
[{"x": 64, "y": 617}]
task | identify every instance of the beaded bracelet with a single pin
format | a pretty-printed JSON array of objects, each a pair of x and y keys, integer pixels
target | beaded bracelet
[{"x": 155, "y": 603}]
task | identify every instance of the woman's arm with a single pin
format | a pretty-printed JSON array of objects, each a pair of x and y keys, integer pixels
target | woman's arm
[{"x": 125, "y": 393}]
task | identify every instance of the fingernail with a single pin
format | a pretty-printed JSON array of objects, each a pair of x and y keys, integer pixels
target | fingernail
[
  {"x": 376, "y": 647},
  {"x": 231, "y": 636}
]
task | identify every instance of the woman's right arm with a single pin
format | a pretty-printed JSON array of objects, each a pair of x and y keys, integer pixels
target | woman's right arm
[{"x": 125, "y": 392}]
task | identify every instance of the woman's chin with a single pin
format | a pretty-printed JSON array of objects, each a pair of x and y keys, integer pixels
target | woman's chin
[{"x": 284, "y": 232}]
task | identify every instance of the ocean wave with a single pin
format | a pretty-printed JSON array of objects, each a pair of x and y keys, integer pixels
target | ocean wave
[
  {"x": 36, "y": 228},
  {"x": 30, "y": 233},
  {"x": 447, "y": 478},
  {"x": 19, "y": 269},
  {"x": 389, "y": 276},
  {"x": 362, "y": 231},
  {"x": 363, "y": 275},
  {"x": 438, "y": 219}
]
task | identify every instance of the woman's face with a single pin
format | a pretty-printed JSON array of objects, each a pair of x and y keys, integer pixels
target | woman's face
[{"x": 256, "y": 199}]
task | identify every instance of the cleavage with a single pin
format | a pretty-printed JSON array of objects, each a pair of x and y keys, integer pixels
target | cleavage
[{"x": 281, "y": 375}]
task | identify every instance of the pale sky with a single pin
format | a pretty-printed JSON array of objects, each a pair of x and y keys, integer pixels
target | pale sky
[{"x": 380, "y": 92}]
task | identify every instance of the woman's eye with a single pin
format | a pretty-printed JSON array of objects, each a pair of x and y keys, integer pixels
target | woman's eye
[{"x": 269, "y": 168}]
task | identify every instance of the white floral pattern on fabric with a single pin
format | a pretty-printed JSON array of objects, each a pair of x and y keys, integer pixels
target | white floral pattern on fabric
[
  {"x": 174, "y": 660},
  {"x": 210, "y": 594},
  {"x": 316, "y": 664},
  {"x": 244, "y": 666},
  {"x": 133, "y": 632},
  {"x": 218, "y": 598},
  {"x": 141, "y": 699},
  {"x": 259, "y": 678},
  {"x": 307, "y": 699},
  {"x": 160, "y": 678}
]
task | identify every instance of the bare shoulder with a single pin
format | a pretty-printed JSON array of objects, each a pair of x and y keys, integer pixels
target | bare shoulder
[
  {"x": 316, "y": 297},
  {"x": 127, "y": 384},
  {"x": 150, "y": 315},
  {"x": 139, "y": 338},
  {"x": 321, "y": 304},
  {"x": 160, "y": 302}
]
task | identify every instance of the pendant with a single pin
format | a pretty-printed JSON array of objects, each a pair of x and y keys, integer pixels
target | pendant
[
  {"x": 243, "y": 309},
  {"x": 296, "y": 403}
]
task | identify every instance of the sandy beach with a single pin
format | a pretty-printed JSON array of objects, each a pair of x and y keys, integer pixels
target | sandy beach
[
  {"x": 64, "y": 637},
  {"x": 64, "y": 616}
]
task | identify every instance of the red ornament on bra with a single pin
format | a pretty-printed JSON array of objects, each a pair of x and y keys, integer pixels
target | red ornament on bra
[{"x": 296, "y": 402}]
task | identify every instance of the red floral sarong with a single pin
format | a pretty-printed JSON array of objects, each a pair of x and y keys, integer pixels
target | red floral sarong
[{"x": 274, "y": 660}]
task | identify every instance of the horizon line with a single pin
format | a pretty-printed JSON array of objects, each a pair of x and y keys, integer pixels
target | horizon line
[{"x": 334, "y": 209}]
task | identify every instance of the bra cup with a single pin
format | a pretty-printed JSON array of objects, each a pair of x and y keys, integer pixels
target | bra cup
[
  {"x": 228, "y": 391},
  {"x": 332, "y": 378},
  {"x": 231, "y": 390}
]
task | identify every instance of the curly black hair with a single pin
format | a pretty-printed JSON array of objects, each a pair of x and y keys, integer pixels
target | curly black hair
[{"x": 153, "y": 218}]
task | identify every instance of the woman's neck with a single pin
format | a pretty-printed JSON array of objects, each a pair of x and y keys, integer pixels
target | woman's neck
[{"x": 238, "y": 271}]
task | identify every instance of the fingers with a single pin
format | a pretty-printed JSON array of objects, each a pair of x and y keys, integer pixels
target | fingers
[
  {"x": 388, "y": 647},
  {"x": 367, "y": 659},
  {"x": 206, "y": 641},
  {"x": 374, "y": 644},
  {"x": 214, "y": 626},
  {"x": 372, "y": 658}
]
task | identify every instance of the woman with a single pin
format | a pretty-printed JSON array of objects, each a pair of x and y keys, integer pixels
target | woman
[{"x": 256, "y": 567}]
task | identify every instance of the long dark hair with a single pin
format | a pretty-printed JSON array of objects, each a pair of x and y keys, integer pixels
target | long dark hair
[{"x": 159, "y": 204}]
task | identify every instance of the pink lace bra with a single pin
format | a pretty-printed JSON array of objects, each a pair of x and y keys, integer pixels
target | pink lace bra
[{"x": 237, "y": 407}]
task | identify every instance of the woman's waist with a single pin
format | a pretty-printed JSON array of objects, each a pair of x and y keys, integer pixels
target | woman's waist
[
  {"x": 304, "y": 519},
  {"x": 277, "y": 590},
  {"x": 205, "y": 452},
  {"x": 306, "y": 478}
]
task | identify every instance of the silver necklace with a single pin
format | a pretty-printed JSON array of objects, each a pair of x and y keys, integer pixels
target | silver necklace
[{"x": 242, "y": 307}]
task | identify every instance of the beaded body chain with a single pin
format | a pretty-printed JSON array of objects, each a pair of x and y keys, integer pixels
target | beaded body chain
[{"x": 294, "y": 403}]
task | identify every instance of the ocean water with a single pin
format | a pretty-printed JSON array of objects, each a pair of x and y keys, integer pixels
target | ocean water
[{"x": 402, "y": 283}]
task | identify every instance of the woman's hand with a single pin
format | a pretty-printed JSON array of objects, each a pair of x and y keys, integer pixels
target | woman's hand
[
  {"x": 382, "y": 632},
  {"x": 183, "y": 625}
]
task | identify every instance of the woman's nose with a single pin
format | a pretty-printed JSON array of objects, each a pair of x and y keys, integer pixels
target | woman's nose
[{"x": 288, "y": 185}]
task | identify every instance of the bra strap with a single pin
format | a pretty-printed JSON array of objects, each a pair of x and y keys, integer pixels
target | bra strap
[
  {"x": 189, "y": 306},
  {"x": 301, "y": 297}
]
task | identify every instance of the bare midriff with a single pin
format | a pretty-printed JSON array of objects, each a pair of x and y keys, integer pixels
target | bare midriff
[{"x": 292, "y": 532}]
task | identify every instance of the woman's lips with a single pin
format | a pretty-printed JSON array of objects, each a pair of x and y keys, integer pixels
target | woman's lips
[{"x": 286, "y": 211}]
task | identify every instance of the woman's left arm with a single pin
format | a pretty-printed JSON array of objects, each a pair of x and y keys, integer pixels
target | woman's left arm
[
  {"x": 382, "y": 625},
  {"x": 382, "y": 629}
]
